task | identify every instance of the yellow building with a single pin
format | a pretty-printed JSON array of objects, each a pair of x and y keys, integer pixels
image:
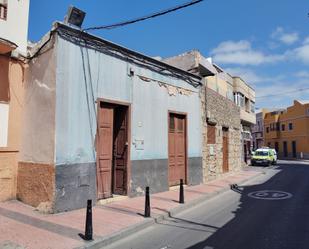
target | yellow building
[{"x": 288, "y": 131}]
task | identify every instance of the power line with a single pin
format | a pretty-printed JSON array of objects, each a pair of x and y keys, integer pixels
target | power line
[
  {"x": 284, "y": 93},
  {"x": 160, "y": 13}
]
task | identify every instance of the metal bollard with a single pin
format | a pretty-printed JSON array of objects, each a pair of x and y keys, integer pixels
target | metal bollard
[
  {"x": 181, "y": 193},
  {"x": 147, "y": 203},
  {"x": 88, "y": 228}
]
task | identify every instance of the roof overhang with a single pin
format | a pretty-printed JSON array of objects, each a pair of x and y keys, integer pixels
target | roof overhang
[{"x": 6, "y": 46}]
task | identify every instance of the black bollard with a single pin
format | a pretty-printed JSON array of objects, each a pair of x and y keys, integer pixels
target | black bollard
[
  {"x": 147, "y": 203},
  {"x": 88, "y": 229},
  {"x": 181, "y": 193}
]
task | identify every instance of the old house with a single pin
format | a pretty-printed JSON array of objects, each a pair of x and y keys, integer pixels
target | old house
[
  {"x": 13, "y": 45},
  {"x": 101, "y": 120},
  {"x": 221, "y": 125}
]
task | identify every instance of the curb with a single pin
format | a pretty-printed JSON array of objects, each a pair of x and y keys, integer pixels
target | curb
[{"x": 100, "y": 242}]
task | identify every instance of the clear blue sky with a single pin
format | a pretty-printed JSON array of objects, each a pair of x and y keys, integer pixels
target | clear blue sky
[{"x": 266, "y": 42}]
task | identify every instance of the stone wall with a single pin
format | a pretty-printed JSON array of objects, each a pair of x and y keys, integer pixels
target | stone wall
[{"x": 223, "y": 114}]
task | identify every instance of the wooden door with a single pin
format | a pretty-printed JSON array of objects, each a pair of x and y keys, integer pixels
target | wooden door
[
  {"x": 105, "y": 150},
  {"x": 120, "y": 151},
  {"x": 225, "y": 151},
  {"x": 177, "y": 148}
]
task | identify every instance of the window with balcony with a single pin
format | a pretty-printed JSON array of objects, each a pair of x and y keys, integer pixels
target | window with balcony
[{"x": 3, "y": 9}]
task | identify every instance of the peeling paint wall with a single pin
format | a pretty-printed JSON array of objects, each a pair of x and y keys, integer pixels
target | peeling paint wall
[
  {"x": 36, "y": 174},
  {"x": 84, "y": 75},
  {"x": 104, "y": 76}
]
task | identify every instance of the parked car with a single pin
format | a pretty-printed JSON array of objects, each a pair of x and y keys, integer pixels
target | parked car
[{"x": 264, "y": 156}]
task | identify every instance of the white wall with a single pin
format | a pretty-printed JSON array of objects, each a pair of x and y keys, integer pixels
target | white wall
[{"x": 15, "y": 27}]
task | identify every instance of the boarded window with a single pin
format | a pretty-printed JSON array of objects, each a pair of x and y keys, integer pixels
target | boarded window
[{"x": 211, "y": 134}]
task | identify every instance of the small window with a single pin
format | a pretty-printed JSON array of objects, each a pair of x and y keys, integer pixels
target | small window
[
  {"x": 211, "y": 134},
  {"x": 290, "y": 126},
  {"x": 3, "y": 9},
  {"x": 267, "y": 129},
  {"x": 283, "y": 127},
  {"x": 278, "y": 126}
]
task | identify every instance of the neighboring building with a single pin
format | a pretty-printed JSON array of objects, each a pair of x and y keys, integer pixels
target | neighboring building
[
  {"x": 244, "y": 96},
  {"x": 102, "y": 120},
  {"x": 221, "y": 117},
  {"x": 257, "y": 130},
  {"x": 13, "y": 42},
  {"x": 287, "y": 131}
]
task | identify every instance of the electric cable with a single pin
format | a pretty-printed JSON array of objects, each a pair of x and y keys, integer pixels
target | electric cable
[{"x": 160, "y": 13}]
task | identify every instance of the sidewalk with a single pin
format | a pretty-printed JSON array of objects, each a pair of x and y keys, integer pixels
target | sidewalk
[{"x": 22, "y": 227}]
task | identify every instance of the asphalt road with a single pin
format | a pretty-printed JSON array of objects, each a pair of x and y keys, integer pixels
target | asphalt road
[{"x": 234, "y": 220}]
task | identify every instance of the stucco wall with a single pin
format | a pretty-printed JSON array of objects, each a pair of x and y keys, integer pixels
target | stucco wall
[
  {"x": 12, "y": 86},
  {"x": 84, "y": 75},
  {"x": 36, "y": 174},
  {"x": 109, "y": 79}
]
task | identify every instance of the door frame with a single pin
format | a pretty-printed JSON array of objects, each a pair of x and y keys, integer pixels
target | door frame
[
  {"x": 128, "y": 105},
  {"x": 169, "y": 112}
]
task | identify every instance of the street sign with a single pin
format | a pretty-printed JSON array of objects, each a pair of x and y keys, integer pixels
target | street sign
[{"x": 271, "y": 195}]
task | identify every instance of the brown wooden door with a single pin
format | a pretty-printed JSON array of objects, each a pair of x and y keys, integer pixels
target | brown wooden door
[
  {"x": 225, "y": 150},
  {"x": 177, "y": 148},
  {"x": 120, "y": 151},
  {"x": 105, "y": 150}
]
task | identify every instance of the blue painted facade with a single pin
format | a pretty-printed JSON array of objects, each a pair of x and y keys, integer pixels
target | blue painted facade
[{"x": 84, "y": 75}]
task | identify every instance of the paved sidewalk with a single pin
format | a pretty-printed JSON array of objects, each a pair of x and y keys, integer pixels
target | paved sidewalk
[{"x": 22, "y": 227}]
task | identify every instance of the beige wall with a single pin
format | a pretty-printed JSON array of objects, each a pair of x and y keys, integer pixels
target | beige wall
[
  {"x": 13, "y": 84},
  {"x": 220, "y": 85},
  {"x": 38, "y": 137},
  {"x": 36, "y": 167}
]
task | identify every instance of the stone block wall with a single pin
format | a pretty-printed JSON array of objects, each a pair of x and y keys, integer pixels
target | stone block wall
[{"x": 223, "y": 114}]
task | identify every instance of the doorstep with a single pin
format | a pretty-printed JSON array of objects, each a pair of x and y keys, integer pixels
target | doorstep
[{"x": 111, "y": 199}]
